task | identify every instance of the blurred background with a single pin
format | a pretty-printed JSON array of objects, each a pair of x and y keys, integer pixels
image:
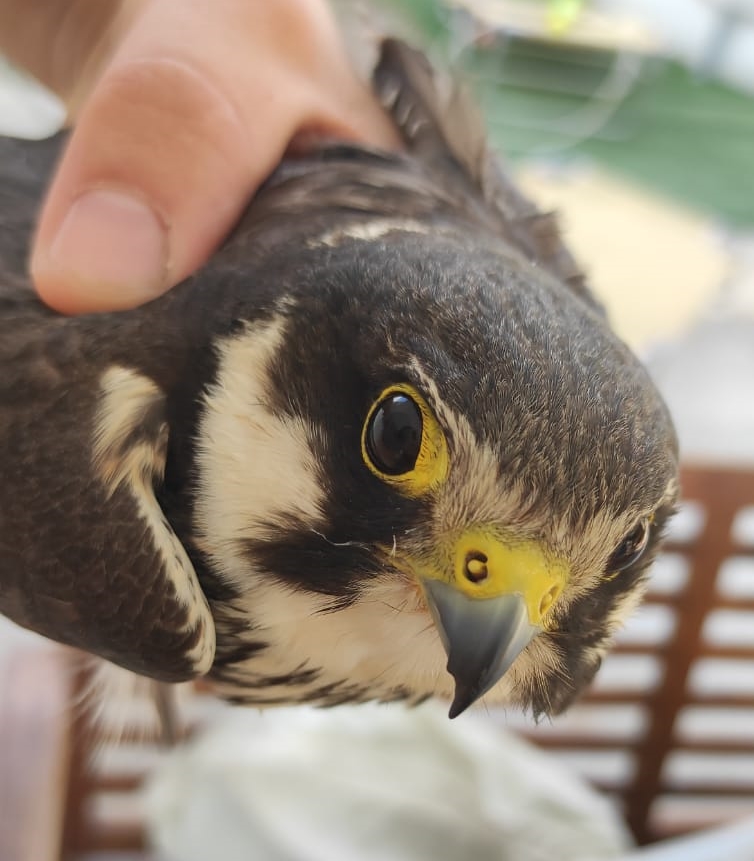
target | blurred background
[{"x": 634, "y": 120}]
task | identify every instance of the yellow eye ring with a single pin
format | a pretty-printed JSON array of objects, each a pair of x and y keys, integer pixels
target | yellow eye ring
[{"x": 402, "y": 442}]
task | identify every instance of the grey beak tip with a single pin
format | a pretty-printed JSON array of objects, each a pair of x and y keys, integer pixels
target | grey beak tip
[
  {"x": 461, "y": 701},
  {"x": 482, "y": 638}
]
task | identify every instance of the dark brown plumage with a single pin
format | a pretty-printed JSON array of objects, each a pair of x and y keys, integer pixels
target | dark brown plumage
[{"x": 186, "y": 488}]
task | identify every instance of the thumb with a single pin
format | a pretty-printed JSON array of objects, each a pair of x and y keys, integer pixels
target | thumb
[{"x": 187, "y": 120}]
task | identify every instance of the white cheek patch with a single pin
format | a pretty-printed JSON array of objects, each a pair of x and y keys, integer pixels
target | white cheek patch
[
  {"x": 254, "y": 465},
  {"x": 383, "y": 642},
  {"x": 129, "y": 453}
]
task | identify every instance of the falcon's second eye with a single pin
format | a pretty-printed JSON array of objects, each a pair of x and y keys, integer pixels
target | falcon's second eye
[
  {"x": 631, "y": 548},
  {"x": 394, "y": 435},
  {"x": 402, "y": 442}
]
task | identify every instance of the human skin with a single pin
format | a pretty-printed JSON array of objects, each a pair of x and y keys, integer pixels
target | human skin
[{"x": 180, "y": 109}]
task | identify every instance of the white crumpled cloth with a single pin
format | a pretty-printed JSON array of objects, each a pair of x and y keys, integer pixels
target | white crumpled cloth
[{"x": 373, "y": 783}]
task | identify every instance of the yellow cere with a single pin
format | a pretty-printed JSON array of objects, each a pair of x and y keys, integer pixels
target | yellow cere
[
  {"x": 481, "y": 566},
  {"x": 431, "y": 467}
]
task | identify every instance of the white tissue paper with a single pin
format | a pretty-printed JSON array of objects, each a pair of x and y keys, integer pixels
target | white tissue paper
[{"x": 374, "y": 783}]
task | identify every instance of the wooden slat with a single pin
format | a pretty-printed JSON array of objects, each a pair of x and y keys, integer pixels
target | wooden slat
[
  {"x": 687, "y": 548},
  {"x": 734, "y": 790},
  {"x": 709, "y": 745},
  {"x": 82, "y": 744},
  {"x": 704, "y": 650},
  {"x": 724, "y": 603},
  {"x": 723, "y": 701},
  {"x": 617, "y": 696},
  {"x": 676, "y": 600},
  {"x": 113, "y": 781},
  {"x": 580, "y": 743},
  {"x": 106, "y": 836}
]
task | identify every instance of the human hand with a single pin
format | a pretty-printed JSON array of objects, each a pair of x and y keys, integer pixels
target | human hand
[{"x": 181, "y": 110}]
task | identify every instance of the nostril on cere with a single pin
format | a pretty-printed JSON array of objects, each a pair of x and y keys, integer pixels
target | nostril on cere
[{"x": 476, "y": 567}]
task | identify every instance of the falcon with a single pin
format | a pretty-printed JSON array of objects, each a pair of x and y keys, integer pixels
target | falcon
[{"x": 383, "y": 446}]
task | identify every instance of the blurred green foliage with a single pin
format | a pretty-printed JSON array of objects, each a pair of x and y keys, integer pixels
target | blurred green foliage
[{"x": 649, "y": 118}]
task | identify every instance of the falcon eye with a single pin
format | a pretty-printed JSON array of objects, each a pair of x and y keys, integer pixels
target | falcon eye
[
  {"x": 394, "y": 435},
  {"x": 631, "y": 548},
  {"x": 402, "y": 442}
]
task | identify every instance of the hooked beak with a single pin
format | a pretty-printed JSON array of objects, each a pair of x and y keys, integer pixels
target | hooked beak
[
  {"x": 489, "y": 607},
  {"x": 481, "y": 638}
]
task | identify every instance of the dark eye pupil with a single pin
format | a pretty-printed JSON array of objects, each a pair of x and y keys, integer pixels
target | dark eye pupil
[
  {"x": 631, "y": 548},
  {"x": 394, "y": 435}
]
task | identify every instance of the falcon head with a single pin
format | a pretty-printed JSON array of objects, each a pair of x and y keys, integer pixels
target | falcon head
[
  {"x": 430, "y": 468},
  {"x": 431, "y": 456}
]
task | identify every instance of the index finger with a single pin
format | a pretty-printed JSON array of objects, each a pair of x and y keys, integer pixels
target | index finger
[{"x": 193, "y": 112}]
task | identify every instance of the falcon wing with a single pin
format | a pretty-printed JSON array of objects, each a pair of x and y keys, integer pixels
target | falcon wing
[{"x": 86, "y": 555}]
